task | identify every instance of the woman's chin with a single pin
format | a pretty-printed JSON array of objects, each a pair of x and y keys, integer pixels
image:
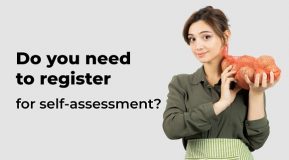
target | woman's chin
[{"x": 203, "y": 60}]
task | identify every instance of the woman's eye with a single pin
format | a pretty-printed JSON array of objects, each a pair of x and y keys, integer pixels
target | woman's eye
[
  {"x": 206, "y": 37},
  {"x": 192, "y": 39}
]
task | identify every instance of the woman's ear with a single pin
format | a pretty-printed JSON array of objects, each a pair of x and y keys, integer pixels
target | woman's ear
[{"x": 227, "y": 36}]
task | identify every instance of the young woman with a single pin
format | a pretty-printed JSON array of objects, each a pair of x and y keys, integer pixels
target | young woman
[{"x": 214, "y": 120}]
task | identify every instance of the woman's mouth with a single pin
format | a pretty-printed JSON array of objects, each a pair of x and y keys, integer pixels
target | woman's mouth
[{"x": 201, "y": 54}]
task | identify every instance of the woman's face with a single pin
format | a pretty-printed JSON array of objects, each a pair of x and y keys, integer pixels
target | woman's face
[{"x": 204, "y": 42}]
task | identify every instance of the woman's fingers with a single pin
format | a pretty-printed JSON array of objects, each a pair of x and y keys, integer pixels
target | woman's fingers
[
  {"x": 272, "y": 78},
  {"x": 226, "y": 76},
  {"x": 258, "y": 82},
  {"x": 228, "y": 72},
  {"x": 228, "y": 68},
  {"x": 264, "y": 80},
  {"x": 257, "y": 79},
  {"x": 248, "y": 81},
  {"x": 229, "y": 80},
  {"x": 261, "y": 84}
]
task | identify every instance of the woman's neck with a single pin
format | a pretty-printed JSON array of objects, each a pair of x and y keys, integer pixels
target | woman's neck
[{"x": 213, "y": 71}]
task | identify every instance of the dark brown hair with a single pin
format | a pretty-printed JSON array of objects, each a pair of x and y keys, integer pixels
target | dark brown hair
[{"x": 215, "y": 18}]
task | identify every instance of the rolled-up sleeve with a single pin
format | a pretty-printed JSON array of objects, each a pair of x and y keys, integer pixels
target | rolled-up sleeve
[
  {"x": 177, "y": 121},
  {"x": 257, "y": 132}
]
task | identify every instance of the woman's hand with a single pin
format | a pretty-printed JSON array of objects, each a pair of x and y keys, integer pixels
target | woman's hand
[
  {"x": 259, "y": 86},
  {"x": 228, "y": 95}
]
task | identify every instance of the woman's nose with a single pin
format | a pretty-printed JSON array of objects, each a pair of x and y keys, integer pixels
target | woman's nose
[{"x": 199, "y": 46}]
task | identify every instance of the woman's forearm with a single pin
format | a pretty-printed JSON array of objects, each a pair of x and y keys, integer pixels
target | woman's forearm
[{"x": 256, "y": 108}]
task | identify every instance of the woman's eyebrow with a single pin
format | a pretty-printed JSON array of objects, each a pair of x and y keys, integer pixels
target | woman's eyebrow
[
  {"x": 190, "y": 34},
  {"x": 205, "y": 32}
]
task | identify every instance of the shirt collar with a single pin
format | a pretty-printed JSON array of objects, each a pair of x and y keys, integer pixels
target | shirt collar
[{"x": 199, "y": 76}]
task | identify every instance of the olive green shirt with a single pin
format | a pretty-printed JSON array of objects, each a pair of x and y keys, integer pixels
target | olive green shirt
[{"x": 189, "y": 113}]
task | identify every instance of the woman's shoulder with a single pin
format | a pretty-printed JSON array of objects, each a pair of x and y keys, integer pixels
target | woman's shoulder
[
  {"x": 182, "y": 75},
  {"x": 182, "y": 79},
  {"x": 185, "y": 78}
]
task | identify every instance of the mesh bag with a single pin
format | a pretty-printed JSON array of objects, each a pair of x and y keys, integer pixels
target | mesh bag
[{"x": 248, "y": 65}]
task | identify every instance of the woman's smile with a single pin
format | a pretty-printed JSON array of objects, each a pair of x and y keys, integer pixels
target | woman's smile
[{"x": 201, "y": 54}]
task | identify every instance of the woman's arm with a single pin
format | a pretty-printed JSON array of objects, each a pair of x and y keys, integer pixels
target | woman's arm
[
  {"x": 256, "y": 108},
  {"x": 178, "y": 122},
  {"x": 257, "y": 95},
  {"x": 257, "y": 125}
]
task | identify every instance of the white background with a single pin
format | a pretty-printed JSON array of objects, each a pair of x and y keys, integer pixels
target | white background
[{"x": 152, "y": 32}]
